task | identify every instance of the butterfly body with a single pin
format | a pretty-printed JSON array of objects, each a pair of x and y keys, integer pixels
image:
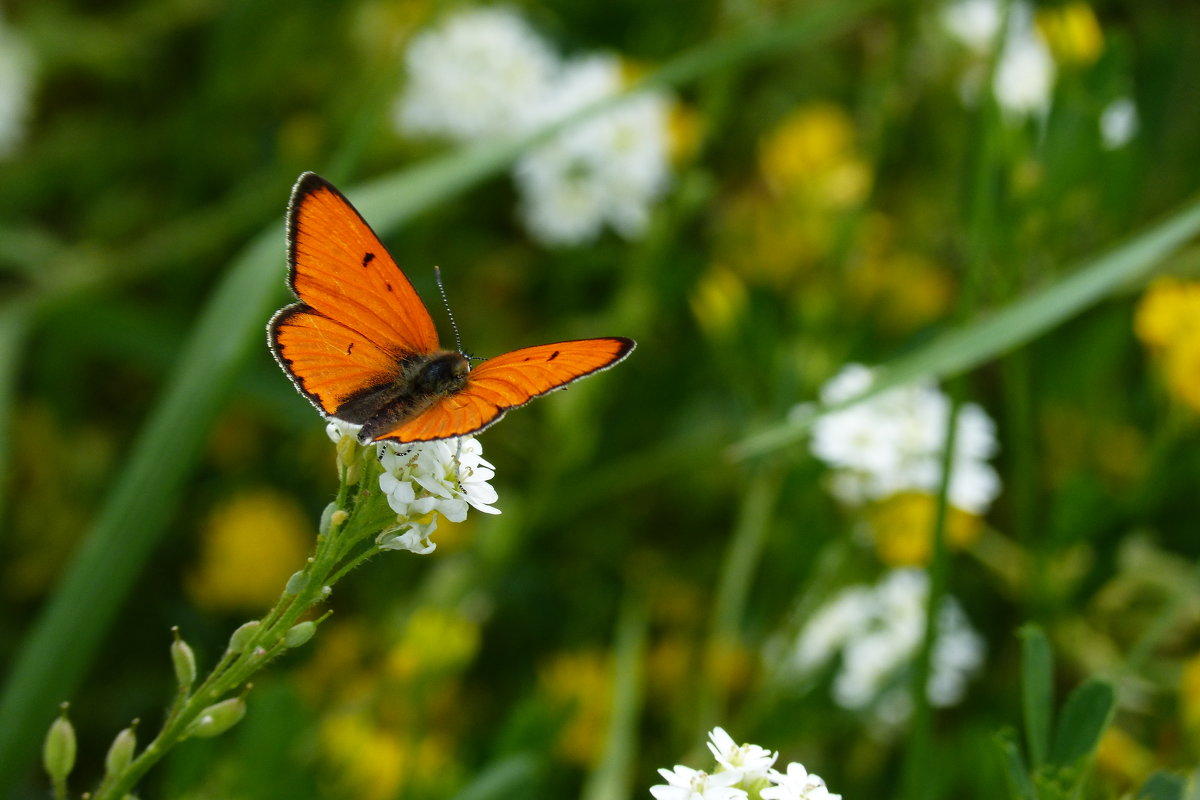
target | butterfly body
[
  {"x": 360, "y": 345},
  {"x": 422, "y": 380}
]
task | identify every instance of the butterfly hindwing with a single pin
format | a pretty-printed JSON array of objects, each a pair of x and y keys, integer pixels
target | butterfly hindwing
[
  {"x": 341, "y": 270},
  {"x": 508, "y": 381}
]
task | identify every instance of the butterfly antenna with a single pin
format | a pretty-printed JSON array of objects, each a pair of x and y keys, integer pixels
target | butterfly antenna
[{"x": 437, "y": 274}]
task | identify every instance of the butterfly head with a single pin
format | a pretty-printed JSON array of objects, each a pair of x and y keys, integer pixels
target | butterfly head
[{"x": 443, "y": 374}]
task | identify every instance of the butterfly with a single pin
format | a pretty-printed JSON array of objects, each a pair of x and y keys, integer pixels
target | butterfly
[{"x": 361, "y": 346}]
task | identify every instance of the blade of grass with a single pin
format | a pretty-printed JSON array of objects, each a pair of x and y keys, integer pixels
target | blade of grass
[
  {"x": 513, "y": 776},
  {"x": 63, "y": 640},
  {"x": 613, "y": 776},
  {"x": 738, "y": 566},
  {"x": 14, "y": 326},
  {"x": 1016, "y": 324}
]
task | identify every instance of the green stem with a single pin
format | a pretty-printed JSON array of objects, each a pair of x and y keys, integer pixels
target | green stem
[
  {"x": 733, "y": 587},
  {"x": 917, "y": 758},
  {"x": 324, "y": 568}
]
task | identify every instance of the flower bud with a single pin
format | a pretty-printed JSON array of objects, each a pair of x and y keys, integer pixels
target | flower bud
[
  {"x": 120, "y": 753},
  {"x": 347, "y": 459},
  {"x": 242, "y": 636},
  {"x": 327, "y": 519},
  {"x": 184, "y": 661},
  {"x": 58, "y": 751},
  {"x": 218, "y": 718},
  {"x": 299, "y": 634},
  {"x": 298, "y": 581}
]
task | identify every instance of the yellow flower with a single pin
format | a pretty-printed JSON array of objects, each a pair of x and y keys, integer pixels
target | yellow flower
[
  {"x": 1168, "y": 321},
  {"x": 374, "y": 762},
  {"x": 434, "y": 641},
  {"x": 1181, "y": 365},
  {"x": 813, "y": 153},
  {"x": 903, "y": 291},
  {"x": 902, "y": 526},
  {"x": 582, "y": 683},
  {"x": 367, "y": 761},
  {"x": 1168, "y": 308},
  {"x": 250, "y": 546},
  {"x": 1189, "y": 695},
  {"x": 768, "y": 241},
  {"x": 1122, "y": 757},
  {"x": 684, "y": 133},
  {"x": 718, "y": 301},
  {"x": 1072, "y": 32}
]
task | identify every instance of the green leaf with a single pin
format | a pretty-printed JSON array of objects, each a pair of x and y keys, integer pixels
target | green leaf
[
  {"x": 64, "y": 639},
  {"x": 1037, "y": 691},
  {"x": 1086, "y": 714},
  {"x": 1019, "y": 783},
  {"x": 996, "y": 333},
  {"x": 1162, "y": 786}
]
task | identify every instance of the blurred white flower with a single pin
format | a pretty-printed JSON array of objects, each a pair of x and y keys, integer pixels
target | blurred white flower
[
  {"x": 1025, "y": 73},
  {"x": 973, "y": 23},
  {"x": 797, "y": 784},
  {"x": 684, "y": 783},
  {"x": 832, "y": 624},
  {"x": 16, "y": 88},
  {"x": 607, "y": 170},
  {"x": 892, "y": 443},
  {"x": 1118, "y": 123},
  {"x": 481, "y": 73},
  {"x": 877, "y": 630},
  {"x": 749, "y": 760}
]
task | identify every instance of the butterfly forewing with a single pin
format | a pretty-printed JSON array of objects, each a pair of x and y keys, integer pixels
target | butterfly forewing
[
  {"x": 508, "y": 381},
  {"x": 341, "y": 270}
]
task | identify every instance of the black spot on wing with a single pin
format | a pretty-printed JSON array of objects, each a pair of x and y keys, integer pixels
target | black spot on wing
[
  {"x": 553, "y": 356},
  {"x": 368, "y": 258}
]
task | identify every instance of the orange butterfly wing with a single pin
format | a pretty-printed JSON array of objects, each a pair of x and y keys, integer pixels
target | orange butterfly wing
[
  {"x": 358, "y": 315},
  {"x": 508, "y": 381}
]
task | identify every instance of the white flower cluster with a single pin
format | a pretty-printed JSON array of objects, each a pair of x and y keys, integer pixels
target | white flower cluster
[
  {"x": 16, "y": 88},
  {"x": 741, "y": 771},
  {"x": 1024, "y": 77},
  {"x": 476, "y": 76},
  {"x": 894, "y": 441},
  {"x": 447, "y": 477},
  {"x": 485, "y": 73},
  {"x": 878, "y": 630}
]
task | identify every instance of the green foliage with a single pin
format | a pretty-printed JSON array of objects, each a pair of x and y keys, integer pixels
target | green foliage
[{"x": 1063, "y": 770}]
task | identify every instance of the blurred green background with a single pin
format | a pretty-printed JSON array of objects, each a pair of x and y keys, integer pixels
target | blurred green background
[{"x": 839, "y": 194}]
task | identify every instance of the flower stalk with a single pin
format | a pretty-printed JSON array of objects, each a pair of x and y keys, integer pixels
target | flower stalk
[{"x": 351, "y": 531}]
